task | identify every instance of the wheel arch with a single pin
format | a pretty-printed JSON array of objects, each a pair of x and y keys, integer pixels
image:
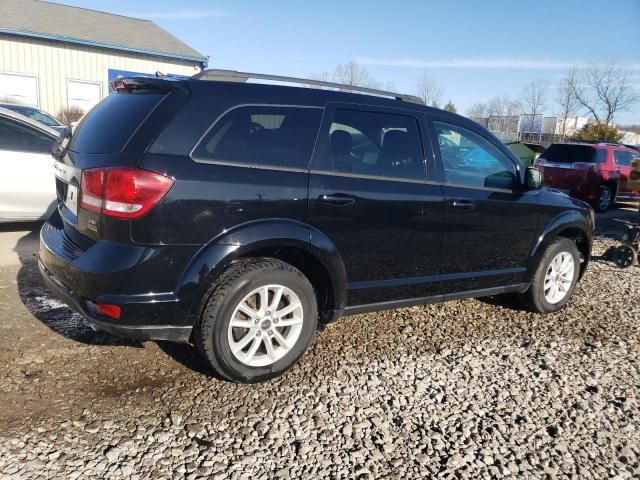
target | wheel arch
[
  {"x": 294, "y": 242},
  {"x": 570, "y": 224}
]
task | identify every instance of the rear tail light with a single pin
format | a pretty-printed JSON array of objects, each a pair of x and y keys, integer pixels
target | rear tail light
[{"x": 122, "y": 192}]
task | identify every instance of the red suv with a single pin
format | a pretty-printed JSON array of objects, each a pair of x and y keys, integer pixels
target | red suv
[{"x": 597, "y": 173}]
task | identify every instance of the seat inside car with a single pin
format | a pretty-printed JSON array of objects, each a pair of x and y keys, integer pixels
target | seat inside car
[
  {"x": 400, "y": 158},
  {"x": 341, "y": 144}
]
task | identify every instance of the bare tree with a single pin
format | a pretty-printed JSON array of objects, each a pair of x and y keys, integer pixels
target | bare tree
[
  {"x": 477, "y": 110},
  {"x": 567, "y": 100},
  {"x": 604, "y": 90},
  {"x": 502, "y": 111},
  {"x": 428, "y": 89},
  {"x": 321, "y": 76},
  {"x": 353, "y": 74},
  {"x": 534, "y": 97}
]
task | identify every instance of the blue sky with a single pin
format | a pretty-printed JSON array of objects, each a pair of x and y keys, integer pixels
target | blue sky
[{"x": 474, "y": 49}]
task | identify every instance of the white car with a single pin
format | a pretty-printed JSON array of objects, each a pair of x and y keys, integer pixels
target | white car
[{"x": 27, "y": 182}]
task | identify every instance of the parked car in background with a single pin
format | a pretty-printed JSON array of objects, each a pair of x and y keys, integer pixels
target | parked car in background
[
  {"x": 597, "y": 173},
  {"x": 35, "y": 114},
  {"x": 634, "y": 176},
  {"x": 239, "y": 215},
  {"x": 27, "y": 184}
]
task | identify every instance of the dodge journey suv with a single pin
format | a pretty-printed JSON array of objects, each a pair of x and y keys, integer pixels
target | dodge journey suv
[{"x": 237, "y": 215}]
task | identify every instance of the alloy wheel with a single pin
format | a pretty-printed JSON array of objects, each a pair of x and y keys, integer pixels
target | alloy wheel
[
  {"x": 559, "y": 277},
  {"x": 265, "y": 325}
]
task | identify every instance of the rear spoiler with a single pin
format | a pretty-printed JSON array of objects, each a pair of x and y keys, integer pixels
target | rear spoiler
[{"x": 165, "y": 84}]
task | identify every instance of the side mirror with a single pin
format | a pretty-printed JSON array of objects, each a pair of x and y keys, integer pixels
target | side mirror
[{"x": 533, "y": 178}]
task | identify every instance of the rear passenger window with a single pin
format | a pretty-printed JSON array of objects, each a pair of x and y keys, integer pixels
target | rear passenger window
[
  {"x": 263, "y": 136},
  {"x": 379, "y": 144}
]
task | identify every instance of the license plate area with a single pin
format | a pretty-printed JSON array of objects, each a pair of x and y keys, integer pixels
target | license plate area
[
  {"x": 67, "y": 188},
  {"x": 71, "y": 199}
]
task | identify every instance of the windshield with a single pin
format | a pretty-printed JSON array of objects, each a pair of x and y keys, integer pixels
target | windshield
[
  {"x": 569, "y": 153},
  {"x": 44, "y": 118}
]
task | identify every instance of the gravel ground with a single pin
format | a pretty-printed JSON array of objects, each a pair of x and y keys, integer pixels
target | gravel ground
[{"x": 469, "y": 389}]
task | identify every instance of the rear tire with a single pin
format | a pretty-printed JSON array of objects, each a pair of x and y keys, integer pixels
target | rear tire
[
  {"x": 555, "y": 277},
  {"x": 239, "y": 351},
  {"x": 605, "y": 199}
]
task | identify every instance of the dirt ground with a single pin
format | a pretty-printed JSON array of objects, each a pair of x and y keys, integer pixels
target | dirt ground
[{"x": 63, "y": 387}]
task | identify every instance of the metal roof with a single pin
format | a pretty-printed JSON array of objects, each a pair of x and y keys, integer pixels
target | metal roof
[{"x": 52, "y": 21}]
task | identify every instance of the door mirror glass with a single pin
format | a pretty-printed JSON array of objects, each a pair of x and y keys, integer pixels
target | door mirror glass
[
  {"x": 533, "y": 178},
  {"x": 502, "y": 180}
]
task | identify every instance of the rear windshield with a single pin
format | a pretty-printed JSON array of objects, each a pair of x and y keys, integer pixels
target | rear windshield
[
  {"x": 567, "y": 153},
  {"x": 110, "y": 124}
]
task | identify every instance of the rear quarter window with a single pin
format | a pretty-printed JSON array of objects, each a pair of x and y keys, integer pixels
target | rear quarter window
[
  {"x": 111, "y": 123},
  {"x": 262, "y": 136}
]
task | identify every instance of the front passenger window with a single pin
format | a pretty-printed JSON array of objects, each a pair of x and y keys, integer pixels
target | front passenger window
[{"x": 471, "y": 160}]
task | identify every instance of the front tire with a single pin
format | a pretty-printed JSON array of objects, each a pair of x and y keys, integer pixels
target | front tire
[
  {"x": 258, "y": 321},
  {"x": 555, "y": 277}
]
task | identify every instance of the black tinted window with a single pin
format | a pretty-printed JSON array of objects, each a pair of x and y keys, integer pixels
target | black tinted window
[
  {"x": 379, "y": 144},
  {"x": 18, "y": 137},
  {"x": 470, "y": 159},
  {"x": 112, "y": 122},
  {"x": 263, "y": 135},
  {"x": 622, "y": 158},
  {"x": 570, "y": 153}
]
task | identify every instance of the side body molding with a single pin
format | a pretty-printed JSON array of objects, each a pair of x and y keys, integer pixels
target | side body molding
[{"x": 252, "y": 236}]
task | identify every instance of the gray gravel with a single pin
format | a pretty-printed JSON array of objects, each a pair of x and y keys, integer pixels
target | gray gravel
[{"x": 464, "y": 389}]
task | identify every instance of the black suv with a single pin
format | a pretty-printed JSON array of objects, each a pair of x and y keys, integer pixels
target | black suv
[{"x": 238, "y": 215}]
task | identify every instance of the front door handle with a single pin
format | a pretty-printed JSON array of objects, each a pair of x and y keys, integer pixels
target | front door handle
[
  {"x": 462, "y": 204},
  {"x": 337, "y": 199}
]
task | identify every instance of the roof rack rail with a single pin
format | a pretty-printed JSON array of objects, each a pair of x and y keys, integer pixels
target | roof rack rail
[{"x": 234, "y": 76}]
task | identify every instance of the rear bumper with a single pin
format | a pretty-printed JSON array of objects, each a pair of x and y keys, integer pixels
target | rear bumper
[
  {"x": 130, "y": 276},
  {"x": 137, "y": 332}
]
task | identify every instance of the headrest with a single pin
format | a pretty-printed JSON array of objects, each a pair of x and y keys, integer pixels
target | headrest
[
  {"x": 397, "y": 143},
  {"x": 341, "y": 142}
]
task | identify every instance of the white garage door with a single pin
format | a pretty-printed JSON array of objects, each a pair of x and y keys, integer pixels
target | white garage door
[
  {"x": 19, "y": 88},
  {"x": 83, "y": 94}
]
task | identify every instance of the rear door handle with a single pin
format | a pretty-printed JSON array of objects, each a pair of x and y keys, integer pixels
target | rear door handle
[
  {"x": 462, "y": 204},
  {"x": 337, "y": 199}
]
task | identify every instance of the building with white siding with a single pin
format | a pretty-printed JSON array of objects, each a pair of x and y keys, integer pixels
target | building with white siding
[{"x": 55, "y": 56}]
